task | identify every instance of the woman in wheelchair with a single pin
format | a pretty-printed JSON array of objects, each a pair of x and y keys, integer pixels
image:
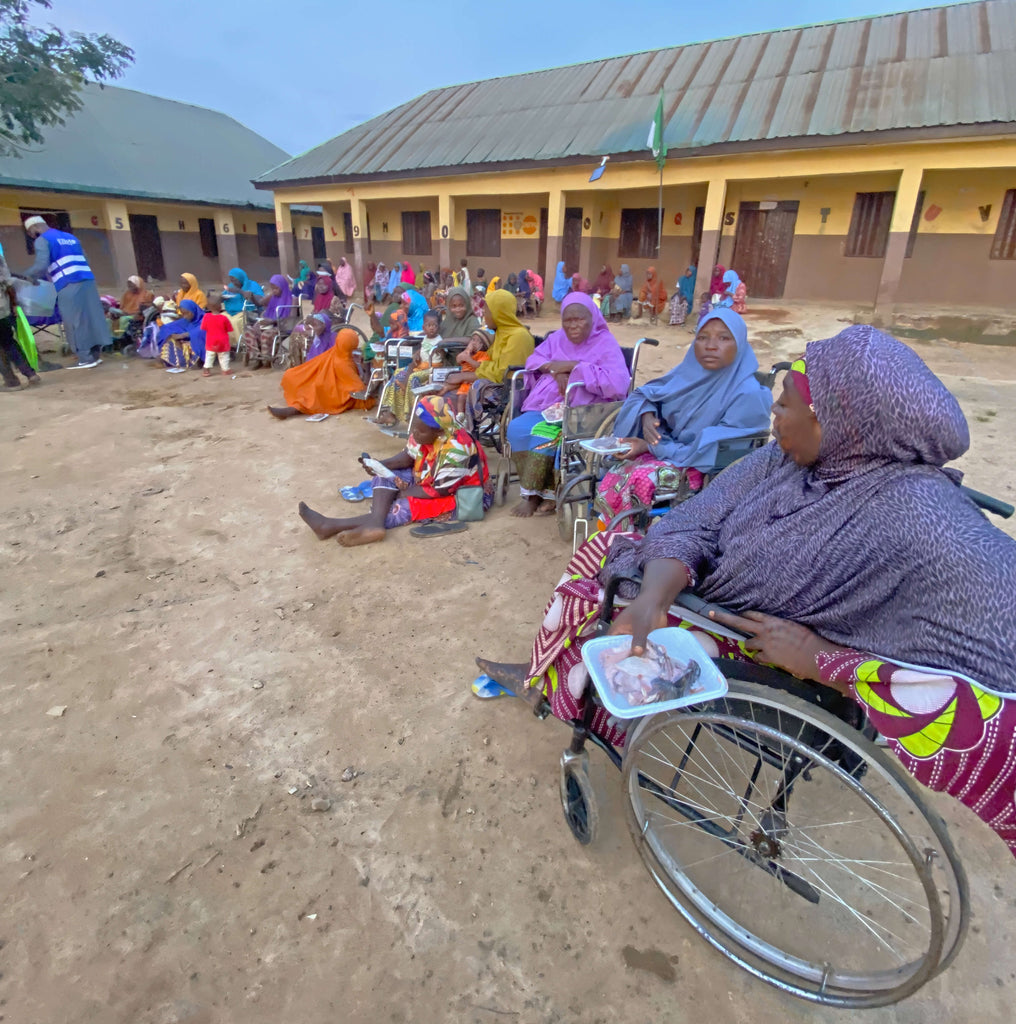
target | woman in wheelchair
[
  {"x": 673, "y": 425},
  {"x": 582, "y": 352},
  {"x": 844, "y": 536}
]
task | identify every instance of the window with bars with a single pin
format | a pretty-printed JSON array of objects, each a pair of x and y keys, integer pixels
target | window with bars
[
  {"x": 317, "y": 241},
  {"x": 483, "y": 232},
  {"x": 869, "y": 224},
  {"x": 416, "y": 232},
  {"x": 268, "y": 240},
  {"x": 1004, "y": 245},
  {"x": 209, "y": 243},
  {"x": 639, "y": 233}
]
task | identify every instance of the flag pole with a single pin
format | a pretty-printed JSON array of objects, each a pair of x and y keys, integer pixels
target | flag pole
[{"x": 659, "y": 219}]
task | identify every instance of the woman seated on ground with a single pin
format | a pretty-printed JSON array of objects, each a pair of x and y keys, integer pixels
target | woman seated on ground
[
  {"x": 603, "y": 286},
  {"x": 620, "y": 304},
  {"x": 238, "y": 290},
  {"x": 523, "y": 293},
  {"x": 278, "y": 315},
  {"x": 683, "y": 301},
  {"x": 302, "y": 286},
  {"x": 652, "y": 294},
  {"x": 440, "y": 458},
  {"x": 325, "y": 383},
  {"x": 417, "y": 306},
  {"x": 182, "y": 342},
  {"x": 845, "y": 536},
  {"x": 580, "y": 284},
  {"x": 735, "y": 292},
  {"x": 536, "y": 292},
  {"x": 512, "y": 346},
  {"x": 562, "y": 283},
  {"x": 673, "y": 425},
  {"x": 190, "y": 290},
  {"x": 583, "y": 352}
]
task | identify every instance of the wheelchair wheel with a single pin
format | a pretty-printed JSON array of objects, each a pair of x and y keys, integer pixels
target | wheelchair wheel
[
  {"x": 504, "y": 476},
  {"x": 578, "y": 801},
  {"x": 281, "y": 359},
  {"x": 795, "y": 847},
  {"x": 567, "y": 513}
]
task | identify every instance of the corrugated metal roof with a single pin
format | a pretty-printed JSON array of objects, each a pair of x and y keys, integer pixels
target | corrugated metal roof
[
  {"x": 933, "y": 68},
  {"x": 127, "y": 143}
]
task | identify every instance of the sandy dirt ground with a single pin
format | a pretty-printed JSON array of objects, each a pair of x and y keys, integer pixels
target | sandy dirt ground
[{"x": 160, "y": 860}]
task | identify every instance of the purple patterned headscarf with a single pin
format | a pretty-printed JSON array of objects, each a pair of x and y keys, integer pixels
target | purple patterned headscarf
[{"x": 874, "y": 546}]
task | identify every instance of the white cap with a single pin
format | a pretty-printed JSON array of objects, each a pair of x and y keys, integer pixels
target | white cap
[{"x": 35, "y": 222}]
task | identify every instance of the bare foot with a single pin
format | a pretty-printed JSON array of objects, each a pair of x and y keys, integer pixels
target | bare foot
[
  {"x": 362, "y": 535},
  {"x": 323, "y": 526},
  {"x": 526, "y": 507},
  {"x": 386, "y": 419},
  {"x": 547, "y": 508}
]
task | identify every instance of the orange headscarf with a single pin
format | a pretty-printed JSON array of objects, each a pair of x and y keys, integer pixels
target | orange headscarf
[
  {"x": 131, "y": 302},
  {"x": 192, "y": 291},
  {"x": 653, "y": 291},
  {"x": 327, "y": 382}
]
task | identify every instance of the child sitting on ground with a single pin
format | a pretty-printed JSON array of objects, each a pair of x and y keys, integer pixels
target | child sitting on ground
[
  {"x": 469, "y": 359},
  {"x": 217, "y": 327}
]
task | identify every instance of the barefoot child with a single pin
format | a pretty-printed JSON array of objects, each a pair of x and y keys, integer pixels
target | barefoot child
[{"x": 217, "y": 327}]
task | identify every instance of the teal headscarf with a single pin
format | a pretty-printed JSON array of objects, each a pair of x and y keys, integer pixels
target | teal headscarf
[{"x": 233, "y": 300}]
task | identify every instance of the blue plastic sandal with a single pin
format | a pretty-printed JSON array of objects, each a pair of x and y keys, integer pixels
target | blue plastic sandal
[
  {"x": 361, "y": 492},
  {"x": 486, "y": 688}
]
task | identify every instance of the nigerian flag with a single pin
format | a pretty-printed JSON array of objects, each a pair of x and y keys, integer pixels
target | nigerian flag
[{"x": 655, "y": 140}]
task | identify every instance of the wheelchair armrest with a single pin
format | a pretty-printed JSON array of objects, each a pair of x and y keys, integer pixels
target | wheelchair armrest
[{"x": 988, "y": 503}]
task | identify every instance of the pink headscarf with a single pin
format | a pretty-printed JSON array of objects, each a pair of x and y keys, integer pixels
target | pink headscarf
[
  {"x": 345, "y": 278},
  {"x": 408, "y": 274}
]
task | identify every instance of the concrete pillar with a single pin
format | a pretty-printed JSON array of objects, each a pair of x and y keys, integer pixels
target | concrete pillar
[
  {"x": 899, "y": 232},
  {"x": 358, "y": 213},
  {"x": 446, "y": 229},
  {"x": 335, "y": 238},
  {"x": 121, "y": 245},
  {"x": 555, "y": 237},
  {"x": 225, "y": 239},
  {"x": 284, "y": 227},
  {"x": 712, "y": 227}
]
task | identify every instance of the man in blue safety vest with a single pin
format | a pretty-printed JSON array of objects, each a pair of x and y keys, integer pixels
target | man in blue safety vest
[{"x": 59, "y": 256}]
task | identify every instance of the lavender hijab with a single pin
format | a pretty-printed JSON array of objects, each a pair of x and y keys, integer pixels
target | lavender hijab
[
  {"x": 874, "y": 546},
  {"x": 697, "y": 408},
  {"x": 602, "y": 369},
  {"x": 276, "y": 302},
  {"x": 323, "y": 342}
]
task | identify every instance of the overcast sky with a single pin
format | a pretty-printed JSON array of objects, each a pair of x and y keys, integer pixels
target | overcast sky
[{"x": 300, "y": 72}]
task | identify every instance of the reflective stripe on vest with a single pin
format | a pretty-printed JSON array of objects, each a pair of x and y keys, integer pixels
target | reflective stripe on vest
[{"x": 67, "y": 262}]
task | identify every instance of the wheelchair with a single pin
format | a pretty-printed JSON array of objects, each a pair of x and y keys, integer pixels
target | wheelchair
[
  {"x": 579, "y": 423},
  {"x": 575, "y": 499},
  {"x": 779, "y": 829},
  {"x": 782, "y": 834}
]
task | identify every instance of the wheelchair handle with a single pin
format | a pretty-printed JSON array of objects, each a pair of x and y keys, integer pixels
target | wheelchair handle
[
  {"x": 649, "y": 341},
  {"x": 988, "y": 503}
]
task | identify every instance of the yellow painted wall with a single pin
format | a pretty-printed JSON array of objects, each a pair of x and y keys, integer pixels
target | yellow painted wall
[{"x": 960, "y": 195}]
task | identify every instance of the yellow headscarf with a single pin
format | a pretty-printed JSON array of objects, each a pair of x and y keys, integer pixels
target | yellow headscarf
[
  {"x": 192, "y": 292},
  {"x": 494, "y": 282},
  {"x": 512, "y": 345}
]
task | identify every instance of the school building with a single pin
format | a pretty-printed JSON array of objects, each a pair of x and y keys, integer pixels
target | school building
[
  {"x": 870, "y": 161},
  {"x": 152, "y": 187}
]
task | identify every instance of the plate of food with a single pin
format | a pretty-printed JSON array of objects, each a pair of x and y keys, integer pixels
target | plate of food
[
  {"x": 674, "y": 671},
  {"x": 604, "y": 445}
]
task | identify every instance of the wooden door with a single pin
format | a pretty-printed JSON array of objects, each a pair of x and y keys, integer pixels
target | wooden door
[
  {"x": 541, "y": 252},
  {"x": 571, "y": 244},
  {"x": 483, "y": 233},
  {"x": 765, "y": 236},
  {"x": 696, "y": 235},
  {"x": 147, "y": 245}
]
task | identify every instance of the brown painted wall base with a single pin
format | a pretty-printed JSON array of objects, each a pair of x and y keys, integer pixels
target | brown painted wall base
[
  {"x": 956, "y": 269},
  {"x": 818, "y": 270}
]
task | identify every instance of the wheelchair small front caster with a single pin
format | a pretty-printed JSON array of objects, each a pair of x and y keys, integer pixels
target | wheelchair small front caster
[{"x": 578, "y": 801}]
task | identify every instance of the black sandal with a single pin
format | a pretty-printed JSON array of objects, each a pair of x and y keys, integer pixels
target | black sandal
[{"x": 438, "y": 529}]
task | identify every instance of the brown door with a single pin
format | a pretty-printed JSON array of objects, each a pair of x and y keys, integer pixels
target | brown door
[
  {"x": 147, "y": 245},
  {"x": 765, "y": 236},
  {"x": 541, "y": 252},
  {"x": 696, "y": 234},
  {"x": 572, "y": 241}
]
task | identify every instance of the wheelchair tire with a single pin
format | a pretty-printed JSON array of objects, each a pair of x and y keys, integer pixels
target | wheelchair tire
[
  {"x": 281, "y": 358},
  {"x": 795, "y": 846},
  {"x": 567, "y": 513},
  {"x": 504, "y": 476},
  {"x": 578, "y": 801}
]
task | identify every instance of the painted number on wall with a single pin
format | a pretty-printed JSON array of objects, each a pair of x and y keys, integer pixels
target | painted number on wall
[
  {"x": 225, "y": 229},
  {"x": 444, "y": 230},
  {"x": 728, "y": 218},
  {"x": 118, "y": 223},
  {"x": 356, "y": 230}
]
